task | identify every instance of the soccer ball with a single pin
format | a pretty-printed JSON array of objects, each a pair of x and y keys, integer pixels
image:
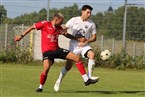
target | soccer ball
[{"x": 105, "y": 55}]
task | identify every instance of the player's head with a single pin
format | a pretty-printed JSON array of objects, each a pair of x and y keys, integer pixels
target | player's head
[
  {"x": 86, "y": 11},
  {"x": 58, "y": 18}
]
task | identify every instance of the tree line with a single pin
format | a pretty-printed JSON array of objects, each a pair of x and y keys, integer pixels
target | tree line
[{"x": 108, "y": 23}]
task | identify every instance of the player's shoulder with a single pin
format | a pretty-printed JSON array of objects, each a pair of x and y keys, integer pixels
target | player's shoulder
[
  {"x": 91, "y": 22},
  {"x": 75, "y": 18},
  {"x": 44, "y": 21},
  {"x": 72, "y": 20}
]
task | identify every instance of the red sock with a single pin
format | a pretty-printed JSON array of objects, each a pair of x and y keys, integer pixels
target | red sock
[
  {"x": 81, "y": 67},
  {"x": 43, "y": 78}
]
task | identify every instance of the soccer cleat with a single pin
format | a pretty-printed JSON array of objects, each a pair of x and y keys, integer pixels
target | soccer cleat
[
  {"x": 56, "y": 86},
  {"x": 94, "y": 78},
  {"x": 91, "y": 81},
  {"x": 39, "y": 90}
]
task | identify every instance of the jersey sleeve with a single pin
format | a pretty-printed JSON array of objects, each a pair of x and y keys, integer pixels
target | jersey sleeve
[
  {"x": 39, "y": 25},
  {"x": 94, "y": 29},
  {"x": 70, "y": 23}
]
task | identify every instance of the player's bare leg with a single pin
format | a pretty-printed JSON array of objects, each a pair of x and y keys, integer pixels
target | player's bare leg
[{"x": 46, "y": 64}]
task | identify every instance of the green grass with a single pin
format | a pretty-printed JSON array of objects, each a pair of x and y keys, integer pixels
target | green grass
[{"x": 18, "y": 80}]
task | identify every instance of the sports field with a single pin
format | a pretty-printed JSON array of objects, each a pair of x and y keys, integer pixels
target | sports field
[{"x": 19, "y": 80}]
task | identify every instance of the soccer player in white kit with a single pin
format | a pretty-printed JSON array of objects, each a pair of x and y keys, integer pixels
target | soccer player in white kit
[{"x": 81, "y": 27}]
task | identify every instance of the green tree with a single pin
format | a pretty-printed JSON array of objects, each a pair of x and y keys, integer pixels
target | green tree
[
  {"x": 98, "y": 20},
  {"x": 3, "y": 13},
  {"x": 42, "y": 14},
  {"x": 111, "y": 24},
  {"x": 108, "y": 23},
  {"x": 135, "y": 23}
]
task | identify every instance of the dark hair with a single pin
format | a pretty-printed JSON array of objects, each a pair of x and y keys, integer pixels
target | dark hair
[{"x": 85, "y": 7}]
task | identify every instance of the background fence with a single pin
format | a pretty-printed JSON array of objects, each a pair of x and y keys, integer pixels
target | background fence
[
  {"x": 31, "y": 41},
  {"x": 133, "y": 46}
]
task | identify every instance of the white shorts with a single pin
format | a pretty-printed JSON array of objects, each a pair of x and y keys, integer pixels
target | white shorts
[{"x": 80, "y": 50}]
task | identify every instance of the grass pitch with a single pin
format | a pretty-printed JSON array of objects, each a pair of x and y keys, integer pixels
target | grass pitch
[{"x": 17, "y": 80}]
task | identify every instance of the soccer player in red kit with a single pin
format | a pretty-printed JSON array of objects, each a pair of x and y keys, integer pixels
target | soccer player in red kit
[{"x": 50, "y": 31}]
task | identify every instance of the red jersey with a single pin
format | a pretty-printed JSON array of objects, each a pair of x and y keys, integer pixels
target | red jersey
[{"x": 49, "y": 35}]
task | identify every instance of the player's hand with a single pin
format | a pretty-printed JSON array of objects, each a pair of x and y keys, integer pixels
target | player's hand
[
  {"x": 17, "y": 38},
  {"x": 63, "y": 32},
  {"x": 81, "y": 44},
  {"x": 82, "y": 39}
]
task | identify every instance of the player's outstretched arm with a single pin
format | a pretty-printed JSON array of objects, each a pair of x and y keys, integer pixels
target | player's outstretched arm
[
  {"x": 74, "y": 38},
  {"x": 18, "y": 38},
  {"x": 70, "y": 36}
]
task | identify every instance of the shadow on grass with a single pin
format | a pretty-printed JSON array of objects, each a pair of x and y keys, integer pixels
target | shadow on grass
[{"x": 105, "y": 92}]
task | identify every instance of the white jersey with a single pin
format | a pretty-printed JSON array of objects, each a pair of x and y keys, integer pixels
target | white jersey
[{"x": 80, "y": 28}]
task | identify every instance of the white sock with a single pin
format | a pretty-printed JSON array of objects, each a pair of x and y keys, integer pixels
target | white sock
[
  {"x": 91, "y": 64},
  {"x": 40, "y": 86},
  {"x": 62, "y": 74},
  {"x": 85, "y": 77}
]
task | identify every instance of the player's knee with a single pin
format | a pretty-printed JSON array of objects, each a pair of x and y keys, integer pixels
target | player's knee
[
  {"x": 67, "y": 68},
  {"x": 78, "y": 59},
  {"x": 91, "y": 55},
  {"x": 46, "y": 70},
  {"x": 68, "y": 65}
]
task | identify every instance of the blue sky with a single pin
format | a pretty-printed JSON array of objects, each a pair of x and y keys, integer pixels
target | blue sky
[{"x": 18, "y": 7}]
